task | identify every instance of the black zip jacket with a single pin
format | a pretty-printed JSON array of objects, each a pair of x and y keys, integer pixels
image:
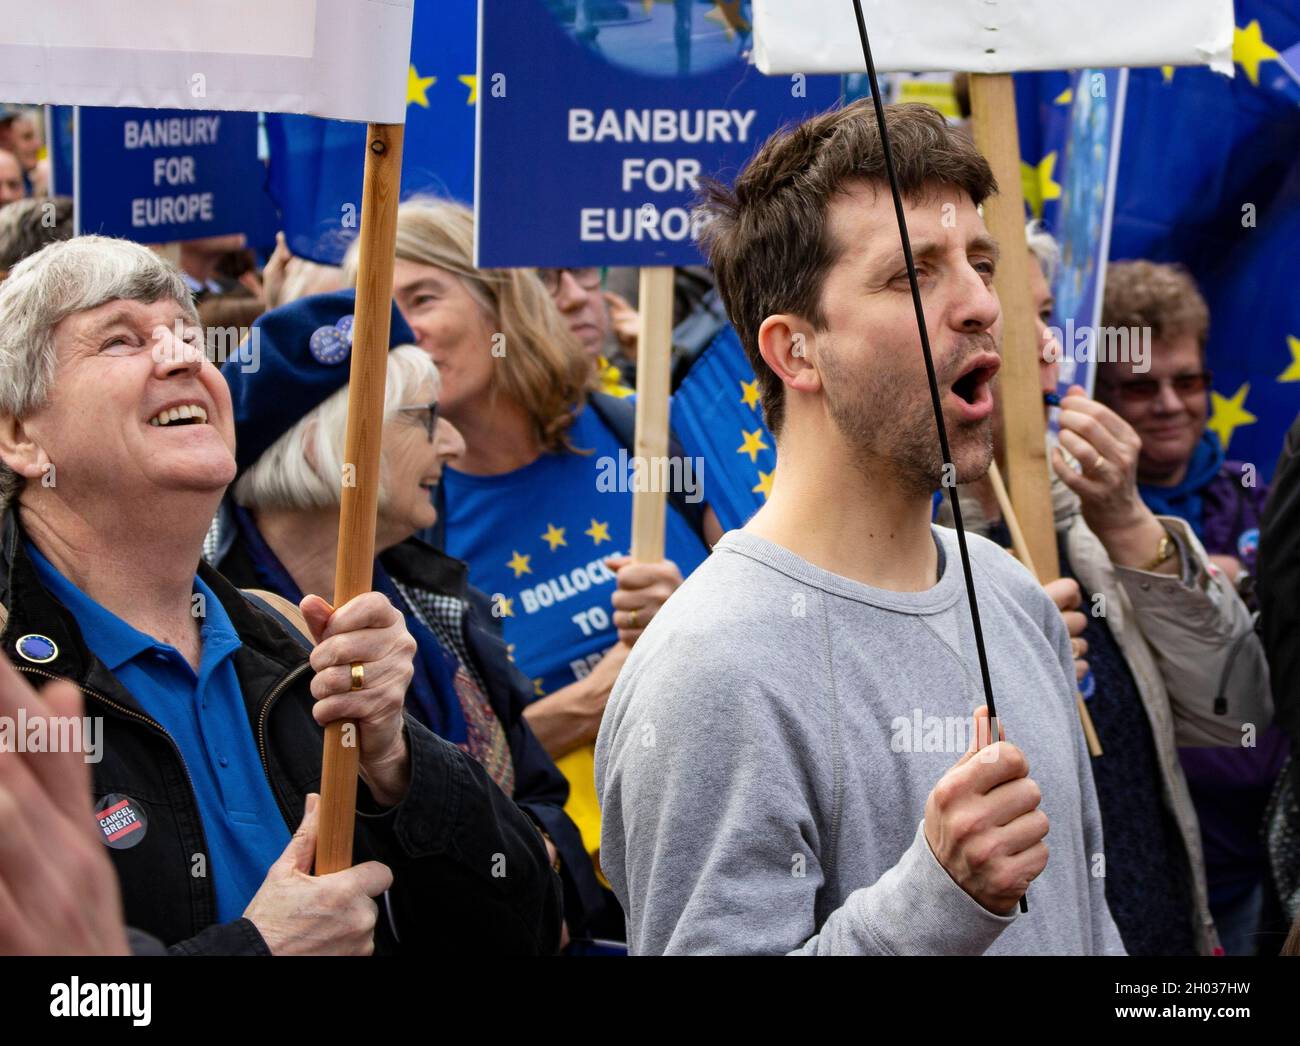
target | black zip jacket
[
  {"x": 540, "y": 789},
  {"x": 470, "y": 871}
]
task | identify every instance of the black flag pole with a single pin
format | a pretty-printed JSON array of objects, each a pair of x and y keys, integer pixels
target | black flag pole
[{"x": 949, "y": 469}]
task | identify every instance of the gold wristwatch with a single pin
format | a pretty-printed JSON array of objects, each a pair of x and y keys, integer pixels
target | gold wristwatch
[{"x": 1165, "y": 551}]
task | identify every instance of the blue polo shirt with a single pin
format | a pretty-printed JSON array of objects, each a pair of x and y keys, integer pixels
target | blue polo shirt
[{"x": 206, "y": 717}]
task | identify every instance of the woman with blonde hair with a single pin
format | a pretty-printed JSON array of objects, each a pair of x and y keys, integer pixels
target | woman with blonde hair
[{"x": 539, "y": 504}]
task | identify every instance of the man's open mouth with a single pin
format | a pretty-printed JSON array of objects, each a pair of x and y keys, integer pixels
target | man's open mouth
[
  {"x": 184, "y": 414},
  {"x": 971, "y": 387}
]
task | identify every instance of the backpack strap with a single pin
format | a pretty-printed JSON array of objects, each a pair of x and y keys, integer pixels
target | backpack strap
[
  {"x": 283, "y": 611},
  {"x": 619, "y": 416}
]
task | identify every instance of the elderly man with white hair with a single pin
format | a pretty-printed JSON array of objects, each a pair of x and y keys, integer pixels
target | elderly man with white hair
[{"x": 117, "y": 444}]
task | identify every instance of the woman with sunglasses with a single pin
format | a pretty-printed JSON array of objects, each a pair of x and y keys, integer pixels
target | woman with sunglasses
[
  {"x": 1182, "y": 471},
  {"x": 280, "y": 534}
]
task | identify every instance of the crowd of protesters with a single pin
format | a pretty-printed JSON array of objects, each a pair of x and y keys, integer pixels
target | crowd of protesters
[{"x": 168, "y": 538}]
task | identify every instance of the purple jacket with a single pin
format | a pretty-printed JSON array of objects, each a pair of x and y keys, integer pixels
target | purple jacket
[{"x": 1231, "y": 515}]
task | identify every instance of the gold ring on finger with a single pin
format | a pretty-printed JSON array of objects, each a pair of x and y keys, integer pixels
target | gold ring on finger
[
  {"x": 358, "y": 676},
  {"x": 632, "y": 618}
]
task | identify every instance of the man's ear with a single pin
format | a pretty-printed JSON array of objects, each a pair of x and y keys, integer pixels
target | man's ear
[
  {"x": 19, "y": 451},
  {"x": 785, "y": 342}
]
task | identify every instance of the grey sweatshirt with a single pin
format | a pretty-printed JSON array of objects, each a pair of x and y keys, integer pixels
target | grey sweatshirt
[{"x": 765, "y": 758}]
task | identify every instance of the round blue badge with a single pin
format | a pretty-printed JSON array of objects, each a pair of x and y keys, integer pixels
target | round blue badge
[
  {"x": 1248, "y": 543},
  {"x": 37, "y": 649},
  {"x": 344, "y": 327},
  {"x": 328, "y": 346}
]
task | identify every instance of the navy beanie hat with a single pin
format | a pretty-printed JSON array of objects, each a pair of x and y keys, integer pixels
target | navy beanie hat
[{"x": 302, "y": 353}]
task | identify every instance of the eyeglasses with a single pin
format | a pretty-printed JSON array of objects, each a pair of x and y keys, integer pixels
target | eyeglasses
[
  {"x": 430, "y": 422},
  {"x": 587, "y": 279},
  {"x": 1144, "y": 390}
]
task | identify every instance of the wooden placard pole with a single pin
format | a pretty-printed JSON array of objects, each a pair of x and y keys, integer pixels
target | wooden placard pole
[
  {"x": 1020, "y": 400},
  {"x": 1028, "y": 512},
  {"x": 649, "y": 507},
  {"x": 354, "y": 567},
  {"x": 653, "y": 368}
]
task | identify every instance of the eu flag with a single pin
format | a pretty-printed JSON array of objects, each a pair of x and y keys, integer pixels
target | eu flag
[
  {"x": 716, "y": 416},
  {"x": 1209, "y": 176},
  {"x": 316, "y": 165}
]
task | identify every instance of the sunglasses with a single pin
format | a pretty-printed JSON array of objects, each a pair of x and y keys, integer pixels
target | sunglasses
[
  {"x": 1144, "y": 390},
  {"x": 588, "y": 279},
  {"x": 430, "y": 412}
]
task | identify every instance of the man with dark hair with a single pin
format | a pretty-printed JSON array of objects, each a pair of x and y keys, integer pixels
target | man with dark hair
[{"x": 785, "y": 762}]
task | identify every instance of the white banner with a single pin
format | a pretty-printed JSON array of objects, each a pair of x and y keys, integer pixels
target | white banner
[
  {"x": 346, "y": 59},
  {"x": 991, "y": 36}
]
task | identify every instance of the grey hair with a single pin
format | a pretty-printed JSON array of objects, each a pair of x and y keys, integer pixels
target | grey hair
[
  {"x": 46, "y": 288},
  {"x": 1043, "y": 246},
  {"x": 303, "y": 469}
]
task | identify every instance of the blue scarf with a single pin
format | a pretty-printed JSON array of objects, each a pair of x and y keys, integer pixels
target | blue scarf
[{"x": 1185, "y": 499}]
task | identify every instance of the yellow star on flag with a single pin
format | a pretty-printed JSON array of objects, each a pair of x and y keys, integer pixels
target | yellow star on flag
[
  {"x": 1065, "y": 97},
  {"x": 1249, "y": 50},
  {"x": 519, "y": 564},
  {"x": 510, "y": 647},
  {"x": 537, "y": 688},
  {"x": 753, "y": 444},
  {"x": 417, "y": 87},
  {"x": 598, "y": 532},
  {"x": 1227, "y": 414},
  {"x": 554, "y": 536},
  {"x": 1167, "y": 71},
  {"x": 1292, "y": 373},
  {"x": 611, "y": 379},
  {"x": 1037, "y": 184},
  {"x": 506, "y": 608},
  {"x": 749, "y": 393},
  {"x": 470, "y": 80},
  {"x": 764, "y": 486}
]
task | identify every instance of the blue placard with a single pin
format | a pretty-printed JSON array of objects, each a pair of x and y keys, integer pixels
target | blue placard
[
  {"x": 596, "y": 120},
  {"x": 1087, "y": 207},
  {"x": 163, "y": 175}
]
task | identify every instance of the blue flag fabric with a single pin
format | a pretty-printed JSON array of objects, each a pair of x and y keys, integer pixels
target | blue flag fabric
[
  {"x": 316, "y": 165},
  {"x": 1209, "y": 176},
  {"x": 716, "y": 415}
]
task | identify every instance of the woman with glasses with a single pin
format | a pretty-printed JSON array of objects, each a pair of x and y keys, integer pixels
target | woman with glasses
[
  {"x": 280, "y": 536},
  {"x": 1183, "y": 471},
  {"x": 537, "y": 505}
]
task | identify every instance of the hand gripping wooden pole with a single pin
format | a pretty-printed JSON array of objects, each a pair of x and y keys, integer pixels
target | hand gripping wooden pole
[
  {"x": 1021, "y": 547},
  {"x": 354, "y": 568}
]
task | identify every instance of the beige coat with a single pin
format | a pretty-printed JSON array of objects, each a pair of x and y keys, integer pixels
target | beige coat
[{"x": 1188, "y": 642}]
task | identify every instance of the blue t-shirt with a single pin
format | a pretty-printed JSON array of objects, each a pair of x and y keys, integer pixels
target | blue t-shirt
[
  {"x": 535, "y": 540},
  {"x": 206, "y": 717}
]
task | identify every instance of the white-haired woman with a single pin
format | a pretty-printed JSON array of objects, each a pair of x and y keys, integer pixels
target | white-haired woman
[{"x": 281, "y": 534}]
